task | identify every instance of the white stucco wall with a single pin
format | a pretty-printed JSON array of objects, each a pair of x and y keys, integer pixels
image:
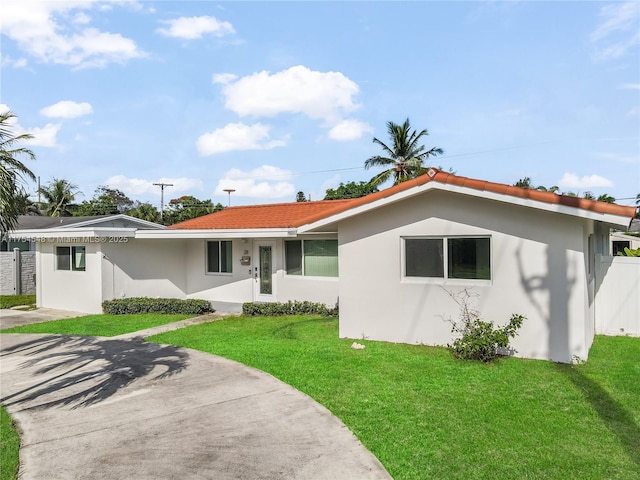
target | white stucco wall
[
  {"x": 618, "y": 295},
  {"x": 143, "y": 268},
  {"x": 238, "y": 287},
  {"x": 538, "y": 270},
  {"x": 66, "y": 289}
]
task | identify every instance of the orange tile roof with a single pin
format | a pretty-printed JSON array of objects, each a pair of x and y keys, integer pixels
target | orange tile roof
[
  {"x": 285, "y": 215},
  {"x": 278, "y": 215}
]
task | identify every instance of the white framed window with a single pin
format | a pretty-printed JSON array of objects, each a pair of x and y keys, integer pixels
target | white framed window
[
  {"x": 219, "y": 256},
  {"x": 311, "y": 258},
  {"x": 456, "y": 258},
  {"x": 71, "y": 258}
]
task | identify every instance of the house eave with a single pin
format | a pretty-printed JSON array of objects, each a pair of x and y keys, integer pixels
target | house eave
[
  {"x": 218, "y": 233},
  {"x": 608, "y": 219}
]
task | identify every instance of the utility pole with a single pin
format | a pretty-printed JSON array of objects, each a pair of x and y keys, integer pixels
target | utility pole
[{"x": 162, "y": 185}]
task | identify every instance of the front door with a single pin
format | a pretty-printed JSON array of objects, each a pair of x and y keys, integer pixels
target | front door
[{"x": 263, "y": 274}]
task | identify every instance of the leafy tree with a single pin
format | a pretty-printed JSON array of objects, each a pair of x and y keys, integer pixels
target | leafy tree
[
  {"x": 300, "y": 197},
  {"x": 188, "y": 207},
  {"x": 553, "y": 189},
  {"x": 59, "y": 195},
  {"x": 145, "y": 211},
  {"x": 350, "y": 190},
  {"x": 404, "y": 156},
  {"x": 12, "y": 170},
  {"x": 25, "y": 205},
  {"x": 105, "y": 201},
  {"x": 524, "y": 183},
  {"x": 605, "y": 197}
]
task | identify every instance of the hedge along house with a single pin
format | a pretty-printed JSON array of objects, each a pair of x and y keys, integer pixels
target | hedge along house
[{"x": 392, "y": 259}]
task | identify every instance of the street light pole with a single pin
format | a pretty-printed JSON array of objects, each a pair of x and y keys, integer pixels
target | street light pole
[
  {"x": 162, "y": 185},
  {"x": 229, "y": 191}
]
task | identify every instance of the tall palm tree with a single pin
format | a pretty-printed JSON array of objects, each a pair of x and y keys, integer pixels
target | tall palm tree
[
  {"x": 405, "y": 157},
  {"x": 59, "y": 195},
  {"x": 12, "y": 170}
]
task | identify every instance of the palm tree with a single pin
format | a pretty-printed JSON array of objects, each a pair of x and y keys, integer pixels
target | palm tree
[
  {"x": 405, "y": 156},
  {"x": 59, "y": 195},
  {"x": 12, "y": 170}
]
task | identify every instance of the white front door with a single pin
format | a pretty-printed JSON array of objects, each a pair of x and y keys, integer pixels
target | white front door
[{"x": 264, "y": 287}]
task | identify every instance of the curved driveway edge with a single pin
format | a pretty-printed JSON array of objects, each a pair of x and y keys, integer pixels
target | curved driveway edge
[{"x": 99, "y": 408}]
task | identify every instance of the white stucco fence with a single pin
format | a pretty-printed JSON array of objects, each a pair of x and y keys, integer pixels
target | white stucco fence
[{"x": 618, "y": 295}]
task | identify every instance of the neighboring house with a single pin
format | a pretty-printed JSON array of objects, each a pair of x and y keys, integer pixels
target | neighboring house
[
  {"x": 27, "y": 243},
  {"x": 622, "y": 240},
  {"x": 391, "y": 259}
]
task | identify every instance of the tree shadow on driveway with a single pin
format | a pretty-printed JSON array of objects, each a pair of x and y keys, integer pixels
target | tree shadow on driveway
[{"x": 80, "y": 371}]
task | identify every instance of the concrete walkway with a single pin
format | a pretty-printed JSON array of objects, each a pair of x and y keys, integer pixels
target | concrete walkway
[{"x": 112, "y": 408}]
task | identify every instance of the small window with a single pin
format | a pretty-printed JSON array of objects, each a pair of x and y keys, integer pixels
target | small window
[
  {"x": 71, "y": 258},
  {"x": 314, "y": 258},
  {"x": 293, "y": 257},
  {"x": 466, "y": 258},
  {"x": 219, "y": 257}
]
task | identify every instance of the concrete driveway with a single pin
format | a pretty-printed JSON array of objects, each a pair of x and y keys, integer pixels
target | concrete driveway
[
  {"x": 14, "y": 318},
  {"x": 99, "y": 408}
]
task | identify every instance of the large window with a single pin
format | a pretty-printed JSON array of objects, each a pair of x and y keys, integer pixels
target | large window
[
  {"x": 219, "y": 258},
  {"x": 450, "y": 258},
  {"x": 71, "y": 258},
  {"x": 314, "y": 258}
]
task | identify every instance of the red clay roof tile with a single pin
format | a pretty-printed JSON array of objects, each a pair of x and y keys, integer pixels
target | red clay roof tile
[{"x": 291, "y": 215}]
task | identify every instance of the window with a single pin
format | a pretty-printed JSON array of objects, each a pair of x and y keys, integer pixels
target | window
[
  {"x": 314, "y": 258},
  {"x": 219, "y": 259},
  {"x": 450, "y": 258},
  {"x": 71, "y": 258}
]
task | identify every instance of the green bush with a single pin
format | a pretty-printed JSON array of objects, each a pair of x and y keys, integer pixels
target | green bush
[
  {"x": 289, "y": 308},
  {"x": 480, "y": 340},
  {"x": 629, "y": 252},
  {"x": 127, "y": 306}
]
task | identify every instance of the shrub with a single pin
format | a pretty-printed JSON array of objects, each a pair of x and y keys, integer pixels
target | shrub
[
  {"x": 629, "y": 252},
  {"x": 479, "y": 340},
  {"x": 126, "y": 306},
  {"x": 289, "y": 308}
]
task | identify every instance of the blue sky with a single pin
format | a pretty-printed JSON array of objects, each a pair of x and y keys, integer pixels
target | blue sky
[{"x": 272, "y": 98}]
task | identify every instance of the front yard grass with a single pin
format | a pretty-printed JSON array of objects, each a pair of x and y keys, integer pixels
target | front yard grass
[
  {"x": 8, "y": 301},
  {"x": 99, "y": 325},
  {"x": 424, "y": 414},
  {"x": 9, "y": 446}
]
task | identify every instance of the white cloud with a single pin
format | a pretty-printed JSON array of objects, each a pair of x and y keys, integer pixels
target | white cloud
[
  {"x": 43, "y": 136},
  {"x": 618, "y": 30},
  {"x": 195, "y": 27},
  {"x": 319, "y": 95},
  {"x": 138, "y": 186},
  {"x": 630, "y": 86},
  {"x": 263, "y": 182},
  {"x": 237, "y": 136},
  {"x": 57, "y": 32},
  {"x": 349, "y": 130},
  {"x": 7, "y": 61},
  {"x": 571, "y": 180},
  {"x": 224, "y": 78},
  {"x": 67, "y": 109}
]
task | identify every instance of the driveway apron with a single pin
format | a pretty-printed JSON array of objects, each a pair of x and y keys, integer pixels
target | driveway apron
[{"x": 100, "y": 408}]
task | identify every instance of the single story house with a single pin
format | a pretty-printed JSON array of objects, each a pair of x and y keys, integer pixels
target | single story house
[{"x": 392, "y": 260}]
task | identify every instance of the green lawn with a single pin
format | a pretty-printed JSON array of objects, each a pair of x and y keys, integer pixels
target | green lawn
[
  {"x": 8, "y": 301},
  {"x": 9, "y": 446},
  {"x": 427, "y": 415},
  {"x": 99, "y": 325}
]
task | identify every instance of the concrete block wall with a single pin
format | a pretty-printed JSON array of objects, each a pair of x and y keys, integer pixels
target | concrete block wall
[{"x": 27, "y": 269}]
